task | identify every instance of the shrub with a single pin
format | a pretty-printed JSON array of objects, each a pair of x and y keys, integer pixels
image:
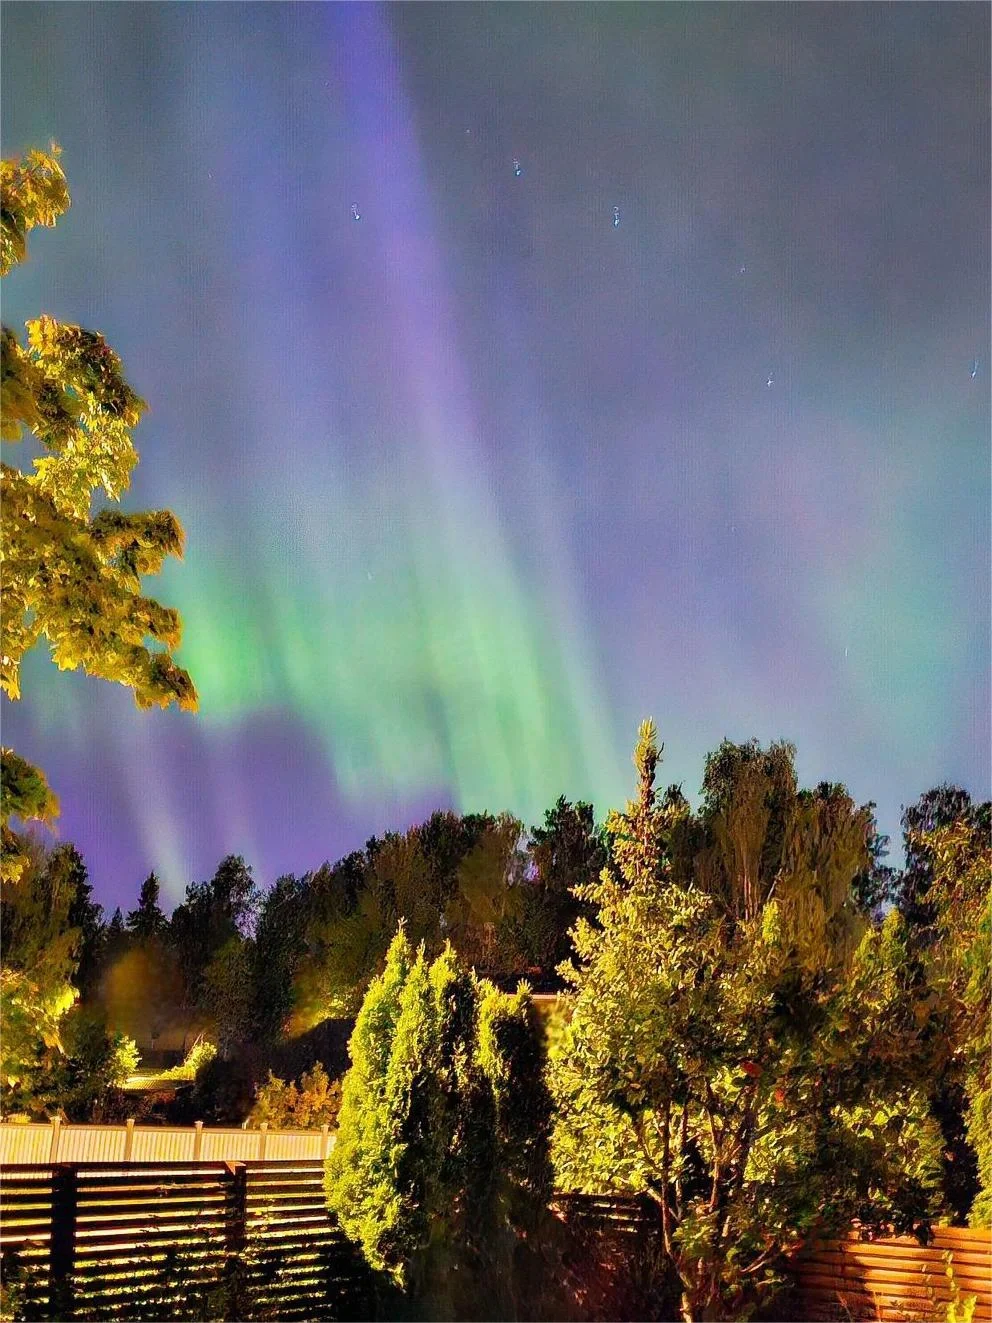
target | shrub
[
  {"x": 313, "y": 1103},
  {"x": 197, "y": 1059}
]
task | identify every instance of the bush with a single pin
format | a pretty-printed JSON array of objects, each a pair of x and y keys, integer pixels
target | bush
[
  {"x": 313, "y": 1103},
  {"x": 197, "y": 1059}
]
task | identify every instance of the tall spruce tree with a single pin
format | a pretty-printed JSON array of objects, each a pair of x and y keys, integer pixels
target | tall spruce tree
[{"x": 148, "y": 923}]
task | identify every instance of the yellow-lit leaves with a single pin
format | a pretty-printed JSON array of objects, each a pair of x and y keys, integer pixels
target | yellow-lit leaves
[
  {"x": 77, "y": 583},
  {"x": 34, "y": 192}
]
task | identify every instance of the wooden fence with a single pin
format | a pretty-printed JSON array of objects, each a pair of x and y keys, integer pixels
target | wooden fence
[
  {"x": 176, "y": 1240},
  {"x": 58, "y": 1142},
  {"x": 897, "y": 1278},
  {"x": 254, "y": 1240}
]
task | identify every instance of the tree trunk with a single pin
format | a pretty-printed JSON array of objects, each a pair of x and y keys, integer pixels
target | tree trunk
[{"x": 703, "y": 1305}]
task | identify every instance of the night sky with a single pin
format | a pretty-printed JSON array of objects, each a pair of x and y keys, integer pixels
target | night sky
[{"x": 477, "y": 481}]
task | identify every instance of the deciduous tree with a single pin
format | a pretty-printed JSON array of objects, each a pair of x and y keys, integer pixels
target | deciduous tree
[
  {"x": 739, "y": 1048},
  {"x": 69, "y": 576},
  {"x": 959, "y": 901}
]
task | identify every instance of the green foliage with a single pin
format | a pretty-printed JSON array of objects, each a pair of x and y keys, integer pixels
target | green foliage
[
  {"x": 960, "y": 1308},
  {"x": 279, "y": 937},
  {"x": 24, "y": 794},
  {"x": 40, "y": 957},
  {"x": 32, "y": 1014},
  {"x": 487, "y": 902},
  {"x": 958, "y": 903},
  {"x": 226, "y": 993},
  {"x": 93, "y": 1065},
  {"x": 358, "y": 1173},
  {"x": 69, "y": 577},
  {"x": 440, "y": 1160},
  {"x": 197, "y": 1059},
  {"x": 737, "y": 1050},
  {"x": 313, "y": 1103},
  {"x": 565, "y": 853},
  {"x": 941, "y": 806},
  {"x": 505, "y": 904},
  {"x": 208, "y": 934},
  {"x": 450, "y": 876},
  {"x": 34, "y": 192},
  {"x": 147, "y": 922},
  {"x": 512, "y": 1059}
]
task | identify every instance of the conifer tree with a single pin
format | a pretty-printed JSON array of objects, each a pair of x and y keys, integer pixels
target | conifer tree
[
  {"x": 148, "y": 922},
  {"x": 441, "y": 1154}
]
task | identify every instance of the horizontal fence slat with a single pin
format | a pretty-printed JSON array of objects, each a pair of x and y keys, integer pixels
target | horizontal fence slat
[
  {"x": 137, "y": 1223},
  {"x": 894, "y": 1277},
  {"x": 963, "y": 1263}
]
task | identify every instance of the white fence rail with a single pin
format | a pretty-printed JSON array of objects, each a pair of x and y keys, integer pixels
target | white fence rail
[{"x": 133, "y": 1143}]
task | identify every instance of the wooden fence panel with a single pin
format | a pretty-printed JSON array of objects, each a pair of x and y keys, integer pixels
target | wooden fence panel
[
  {"x": 285, "y": 1205},
  {"x": 896, "y": 1278},
  {"x": 55, "y": 1142},
  {"x": 180, "y": 1240},
  {"x": 141, "y": 1237},
  {"x": 26, "y": 1229},
  {"x": 155, "y": 1240}
]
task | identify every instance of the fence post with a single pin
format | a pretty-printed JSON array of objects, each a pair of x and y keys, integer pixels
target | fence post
[
  {"x": 236, "y": 1233},
  {"x": 263, "y": 1131},
  {"x": 325, "y": 1143},
  {"x": 235, "y": 1236},
  {"x": 53, "y": 1152},
  {"x": 197, "y": 1140},
  {"x": 128, "y": 1138},
  {"x": 63, "y": 1243}
]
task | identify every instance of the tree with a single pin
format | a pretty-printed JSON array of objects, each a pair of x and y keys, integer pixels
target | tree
[
  {"x": 81, "y": 1081},
  {"x": 148, "y": 923},
  {"x": 280, "y": 934},
  {"x": 116, "y": 940},
  {"x": 226, "y": 993},
  {"x": 740, "y": 1050},
  {"x": 942, "y": 806},
  {"x": 216, "y": 916},
  {"x": 70, "y": 577},
  {"x": 84, "y": 914},
  {"x": 450, "y": 876},
  {"x": 24, "y": 794},
  {"x": 874, "y": 889},
  {"x": 959, "y": 899},
  {"x": 564, "y": 854},
  {"x": 483, "y": 913},
  {"x": 441, "y": 1149},
  {"x": 40, "y": 954}
]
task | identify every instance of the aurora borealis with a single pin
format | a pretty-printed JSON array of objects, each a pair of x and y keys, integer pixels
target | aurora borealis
[{"x": 475, "y": 482}]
